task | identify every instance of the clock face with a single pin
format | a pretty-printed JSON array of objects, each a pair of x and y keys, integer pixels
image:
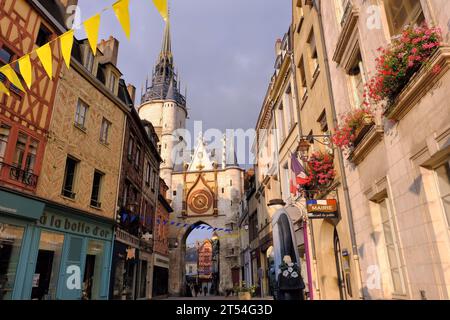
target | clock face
[{"x": 200, "y": 201}]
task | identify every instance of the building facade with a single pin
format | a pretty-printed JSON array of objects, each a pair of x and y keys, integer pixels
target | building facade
[
  {"x": 39, "y": 233},
  {"x": 398, "y": 168},
  {"x": 161, "y": 243},
  {"x": 132, "y": 274}
]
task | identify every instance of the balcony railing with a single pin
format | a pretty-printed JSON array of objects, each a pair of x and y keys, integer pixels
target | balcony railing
[{"x": 14, "y": 173}]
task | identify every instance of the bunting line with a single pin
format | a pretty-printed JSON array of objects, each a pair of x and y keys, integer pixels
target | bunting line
[
  {"x": 44, "y": 53},
  {"x": 187, "y": 225}
]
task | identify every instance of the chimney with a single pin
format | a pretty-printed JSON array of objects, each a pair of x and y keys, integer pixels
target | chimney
[
  {"x": 278, "y": 47},
  {"x": 110, "y": 50},
  {"x": 132, "y": 91}
]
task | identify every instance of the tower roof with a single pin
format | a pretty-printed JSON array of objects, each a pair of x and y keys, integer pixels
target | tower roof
[{"x": 164, "y": 84}]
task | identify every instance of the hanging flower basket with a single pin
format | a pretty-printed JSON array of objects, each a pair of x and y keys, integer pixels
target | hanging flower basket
[
  {"x": 320, "y": 172},
  {"x": 401, "y": 60}
]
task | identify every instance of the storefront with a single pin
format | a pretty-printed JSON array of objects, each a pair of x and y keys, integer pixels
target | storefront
[
  {"x": 50, "y": 252},
  {"x": 125, "y": 266},
  {"x": 160, "y": 275}
]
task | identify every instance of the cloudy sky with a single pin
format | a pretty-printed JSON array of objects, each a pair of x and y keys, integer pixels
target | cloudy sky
[{"x": 224, "y": 51}]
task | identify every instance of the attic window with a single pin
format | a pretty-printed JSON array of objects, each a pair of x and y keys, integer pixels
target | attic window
[
  {"x": 89, "y": 60},
  {"x": 112, "y": 82},
  {"x": 43, "y": 36}
]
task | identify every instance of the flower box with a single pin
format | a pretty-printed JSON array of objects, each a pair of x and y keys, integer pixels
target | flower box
[
  {"x": 399, "y": 65},
  {"x": 420, "y": 84}
]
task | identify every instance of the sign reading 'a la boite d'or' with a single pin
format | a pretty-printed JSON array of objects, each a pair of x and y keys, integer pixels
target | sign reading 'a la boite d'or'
[{"x": 322, "y": 209}]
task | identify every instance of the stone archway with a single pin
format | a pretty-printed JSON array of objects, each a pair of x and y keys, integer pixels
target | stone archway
[{"x": 177, "y": 271}]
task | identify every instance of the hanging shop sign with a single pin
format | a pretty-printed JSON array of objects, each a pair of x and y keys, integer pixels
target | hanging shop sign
[{"x": 322, "y": 209}]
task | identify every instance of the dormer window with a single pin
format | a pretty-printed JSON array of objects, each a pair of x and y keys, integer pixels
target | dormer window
[
  {"x": 89, "y": 64},
  {"x": 112, "y": 82}
]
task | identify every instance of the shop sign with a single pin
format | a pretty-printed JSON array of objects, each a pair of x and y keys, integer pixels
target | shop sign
[
  {"x": 322, "y": 209},
  {"x": 20, "y": 206},
  {"x": 63, "y": 224}
]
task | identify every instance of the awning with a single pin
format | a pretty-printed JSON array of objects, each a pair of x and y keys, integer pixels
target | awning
[{"x": 18, "y": 206}]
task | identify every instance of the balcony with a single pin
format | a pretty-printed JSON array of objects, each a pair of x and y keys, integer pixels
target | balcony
[{"x": 23, "y": 178}]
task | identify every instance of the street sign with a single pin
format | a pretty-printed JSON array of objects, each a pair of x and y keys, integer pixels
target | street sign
[{"x": 322, "y": 209}]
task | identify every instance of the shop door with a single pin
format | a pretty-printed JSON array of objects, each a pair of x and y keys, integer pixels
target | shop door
[
  {"x": 235, "y": 276},
  {"x": 339, "y": 266},
  {"x": 72, "y": 269}
]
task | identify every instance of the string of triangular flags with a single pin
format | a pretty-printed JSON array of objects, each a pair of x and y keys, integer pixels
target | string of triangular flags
[
  {"x": 187, "y": 225},
  {"x": 44, "y": 53},
  {"x": 124, "y": 216}
]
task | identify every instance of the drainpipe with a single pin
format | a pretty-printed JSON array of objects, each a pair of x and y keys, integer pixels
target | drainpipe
[
  {"x": 306, "y": 222},
  {"x": 341, "y": 158}
]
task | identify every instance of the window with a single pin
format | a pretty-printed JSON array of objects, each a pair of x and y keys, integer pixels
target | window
[
  {"x": 391, "y": 243},
  {"x": 281, "y": 122},
  {"x": 289, "y": 110},
  {"x": 154, "y": 180},
  {"x": 148, "y": 174},
  {"x": 357, "y": 81},
  {"x": 25, "y": 153},
  {"x": 69, "y": 178},
  {"x": 304, "y": 86},
  {"x": 130, "y": 149},
  {"x": 104, "y": 132},
  {"x": 323, "y": 122},
  {"x": 443, "y": 178},
  {"x": 125, "y": 194},
  {"x": 4, "y": 137},
  {"x": 96, "y": 186},
  {"x": 314, "y": 58},
  {"x": 138, "y": 157},
  {"x": 112, "y": 82},
  {"x": 401, "y": 13},
  {"x": 6, "y": 56},
  {"x": 43, "y": 36},
  {"x": 89, "y": 60},
  {"x": 80, "y": 114},
  {"x": 11, "y": 237}
]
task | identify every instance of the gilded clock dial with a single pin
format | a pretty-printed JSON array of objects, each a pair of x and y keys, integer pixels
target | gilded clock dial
[{"x": 200, "y": 201}]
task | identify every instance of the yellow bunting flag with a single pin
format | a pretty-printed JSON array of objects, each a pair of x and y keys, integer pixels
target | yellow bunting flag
[
  {"x": 66, "y": 41},
  {"x": 92, "y": 26},
  {"x": 162, "y": 7},
  {"x": 4, "y": 89},
  {"x": 25, "y": 70},
  {"x": 123, "y": 15},
  {"x": 45, "y": 55},
  {"x": 9, "y": 72}
]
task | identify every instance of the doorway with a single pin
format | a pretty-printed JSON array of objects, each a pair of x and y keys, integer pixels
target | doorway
[
  {"x": 46, "y": 274},
  {"x": 339, "y": 266}
]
